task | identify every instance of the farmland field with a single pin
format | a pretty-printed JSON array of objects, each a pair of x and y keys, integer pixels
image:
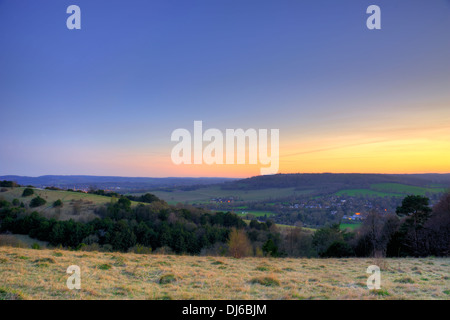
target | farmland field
[
  {"x": 41, "y": 274},
  {"x": 351, "y": 226},
  {"x": 390, "y": 190},
  {"x": 405, "y": 189},
  {"x": 253, "y": 212},
  {"x": 366, "y": 192},
  {"x": 207, "y": 193}
]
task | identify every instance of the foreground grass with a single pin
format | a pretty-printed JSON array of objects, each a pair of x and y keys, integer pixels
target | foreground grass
[{"x": 41, "y": 274}]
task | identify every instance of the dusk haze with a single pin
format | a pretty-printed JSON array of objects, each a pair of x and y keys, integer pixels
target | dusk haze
[{"x": 104, "y": 100}]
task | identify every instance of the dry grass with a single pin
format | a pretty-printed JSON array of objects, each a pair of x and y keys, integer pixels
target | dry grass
[{"x": 41, "y": 274}]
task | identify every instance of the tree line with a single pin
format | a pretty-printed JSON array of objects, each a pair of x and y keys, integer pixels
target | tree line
[
  {"x": 147, "y": 227},
  {"x": 415, "y": 230}
]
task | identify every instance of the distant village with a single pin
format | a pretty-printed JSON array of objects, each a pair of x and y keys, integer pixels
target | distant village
[{"x": 350, "y": 209}]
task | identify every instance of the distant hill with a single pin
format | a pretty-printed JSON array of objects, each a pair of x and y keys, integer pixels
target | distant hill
[
  {"x": 132, "y": 184},
  {"x": 329, "y": 182}
]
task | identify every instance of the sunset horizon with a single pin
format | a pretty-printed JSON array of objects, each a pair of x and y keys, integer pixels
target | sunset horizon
[{"x": 106, "y": 98}]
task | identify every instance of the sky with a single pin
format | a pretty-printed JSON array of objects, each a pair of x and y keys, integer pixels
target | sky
[{"x": 105, "y": 99}]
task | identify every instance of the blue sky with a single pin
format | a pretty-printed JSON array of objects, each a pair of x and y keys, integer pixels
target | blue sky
[{"x": 105, "y": 99}]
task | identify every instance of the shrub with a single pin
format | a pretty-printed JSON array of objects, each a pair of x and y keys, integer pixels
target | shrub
[
  {"x": 4, "y": 204},
  {"x": 35, "y": 246},
  {"x": 27, "y": 192},
  {"x": 8, "y": 184},
  {"x": 37, "y": 202},
  {"x": 16, "y": 202},
  {"x": 269, "y": 248},
  {"x": 92, "y": 247},
  {"x": 140, "y": 249},
  {"x": 339, "y": 249},
  {"x": 57, "y": 204},
  {"x": 80, "y": 247}
]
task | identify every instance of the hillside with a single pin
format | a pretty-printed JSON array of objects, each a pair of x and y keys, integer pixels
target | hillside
[
  {"x": 118, "y": 184},
  {"x": 284, "y": 186},
  {"x": 76, "y": 205},
  {"x": 41, "y": 274},
  {"x": 332, "y": 182}
]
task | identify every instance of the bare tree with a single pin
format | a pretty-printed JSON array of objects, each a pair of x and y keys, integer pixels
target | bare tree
[{"x": 238, "y": 244}]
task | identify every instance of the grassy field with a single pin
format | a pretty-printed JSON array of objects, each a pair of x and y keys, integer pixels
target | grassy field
[
  {"x": 405, "y": 189},
  {"x": 73, "y": 202},
  {"x": 41, "y": 274},
  {"x": 253, "y": 212},
  {"x": 390, "y": 190},
  {"x": 351, "y": 226},
  {"x": 366, "y": 192},
  {"x": 207, "y": 193}
]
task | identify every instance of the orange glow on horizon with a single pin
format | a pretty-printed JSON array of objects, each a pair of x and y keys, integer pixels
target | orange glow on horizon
[{"x": 421, "y": 151}]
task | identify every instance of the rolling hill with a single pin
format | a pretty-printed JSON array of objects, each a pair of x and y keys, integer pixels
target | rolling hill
[
  {"x": 123, "y": 184},
  {"x": 76, "y": 205}
]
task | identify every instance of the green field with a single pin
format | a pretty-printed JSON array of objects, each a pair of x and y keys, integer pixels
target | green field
[
  {"x": 405, "y": 189},
  {"x": 351, "y": 226},
  {"x": 365, "y": 192},
  {"x": 390, "y": 190},
  {"x": 205, "y": 194},
  {"x": 254, "y": 212}
]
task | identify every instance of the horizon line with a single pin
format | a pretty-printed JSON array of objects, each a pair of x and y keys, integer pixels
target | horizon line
[{"x": 218, "y": 177}]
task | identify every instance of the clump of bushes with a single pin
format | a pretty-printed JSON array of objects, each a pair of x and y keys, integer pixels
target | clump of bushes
[
  {"x": 58, "y": 204},
  {"x": 35, "y": 246},
  {"x": 37, "y": 202},
  {"x": 140, "y": 249},
  {"x": 27, "y": 192}
]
